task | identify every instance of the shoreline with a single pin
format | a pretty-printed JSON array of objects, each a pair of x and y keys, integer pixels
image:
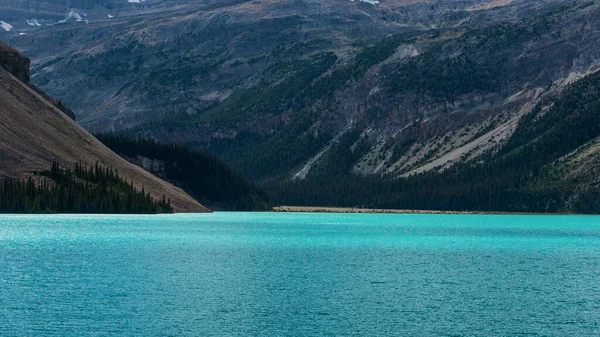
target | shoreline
[{"x": 317, "y": 209}]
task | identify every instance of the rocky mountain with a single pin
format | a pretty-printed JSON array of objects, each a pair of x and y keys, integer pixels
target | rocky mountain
[
  {"x": 35, "y": 133},
  {"x": 299, "y": 89},
  {"x": 548, "y": 164}
]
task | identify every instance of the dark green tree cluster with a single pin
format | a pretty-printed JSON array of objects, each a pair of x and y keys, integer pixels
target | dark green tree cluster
[
  {"x": 83, "y": 190},
  {"x": 202, "y": 175},
  {"x": 425, "y": 192},
  {"x": 479, "y": 61}
]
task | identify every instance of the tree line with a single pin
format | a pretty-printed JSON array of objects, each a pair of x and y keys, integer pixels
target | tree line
[
  {"x": 530, "y": 173},
  {"x": 94, "y": 189},
  {"x": 203, "y": 176}
]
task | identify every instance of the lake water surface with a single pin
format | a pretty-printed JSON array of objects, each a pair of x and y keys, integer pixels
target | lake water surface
[{"x": 288, "y": 274}]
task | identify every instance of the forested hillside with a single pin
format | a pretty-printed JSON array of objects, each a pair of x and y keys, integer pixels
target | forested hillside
[
  {"x": 550, "y": 164},
  {"x": 96, "y": 189},
  {"x": 274, "y": 88},
  {"x": 200, "y": 174}
]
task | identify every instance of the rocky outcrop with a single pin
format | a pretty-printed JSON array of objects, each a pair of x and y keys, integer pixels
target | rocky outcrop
[
  {"x": 14, "y": 62},
  {"x": 18, "y": 65}
]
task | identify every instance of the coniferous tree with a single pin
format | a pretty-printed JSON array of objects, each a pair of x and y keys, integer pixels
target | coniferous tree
[{"x": 95, "y": 190}]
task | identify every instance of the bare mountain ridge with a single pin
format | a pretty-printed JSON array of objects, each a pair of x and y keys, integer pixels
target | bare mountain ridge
[{"x": 34, "y": 133}]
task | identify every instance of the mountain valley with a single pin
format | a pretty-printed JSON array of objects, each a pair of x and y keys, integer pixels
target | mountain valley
[{"x": 299, "y": 92}]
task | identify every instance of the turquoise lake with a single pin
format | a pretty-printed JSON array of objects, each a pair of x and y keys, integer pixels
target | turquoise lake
[{"x": 291, "y": 274}]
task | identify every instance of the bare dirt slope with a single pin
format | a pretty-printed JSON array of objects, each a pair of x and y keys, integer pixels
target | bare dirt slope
[{"x": 34, "y": 133}]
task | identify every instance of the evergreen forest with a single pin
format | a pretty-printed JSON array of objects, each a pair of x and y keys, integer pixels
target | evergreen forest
[
  {"x": 202, "y": 175},
  {"x": 94, "y": 189}
]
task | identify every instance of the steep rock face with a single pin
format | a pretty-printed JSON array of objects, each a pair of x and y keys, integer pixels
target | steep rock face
[
  {"x": 284, "y": 89},
  {"x": 18, "y": 65},
  {"x": 14, "y": 62},
  {"x": 34, "y": 134}
]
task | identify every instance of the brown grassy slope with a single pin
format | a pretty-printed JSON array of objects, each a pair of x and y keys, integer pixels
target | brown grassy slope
[{"x": 34, "y": 133}]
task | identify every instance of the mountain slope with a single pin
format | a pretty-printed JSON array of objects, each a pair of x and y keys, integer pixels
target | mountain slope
[
  {"x": 34, "y": 133},
  {"x": 549, "y": 164},
  {"x": 284, "y": 89}
]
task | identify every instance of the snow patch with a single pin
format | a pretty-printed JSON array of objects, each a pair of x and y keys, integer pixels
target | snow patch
[
  {"x": 73, "y": 14},
  {"x": 7, "y": 26},
  {"x": 110, "y": 16},
  {"x": 372, "y": 2},
  {"x": 135, "y": 1},
  {"x": 34, "y": 22}
]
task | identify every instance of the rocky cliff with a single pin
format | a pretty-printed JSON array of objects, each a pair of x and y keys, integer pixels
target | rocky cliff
[{"x": 14, "y": 62}]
